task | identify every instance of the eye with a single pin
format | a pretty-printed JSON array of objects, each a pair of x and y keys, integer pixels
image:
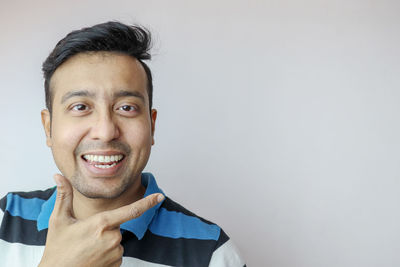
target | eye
[
  {"x": 127, "y": 108},
  {"x": 80, "y": 107}
]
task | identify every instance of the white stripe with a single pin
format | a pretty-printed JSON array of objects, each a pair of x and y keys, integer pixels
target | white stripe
[
  {"x": 130, "y": 262},
  {"x": 1, "y": 215},
  {"x": 227, "y": 255},
  {"x": 19, "y": 255}
]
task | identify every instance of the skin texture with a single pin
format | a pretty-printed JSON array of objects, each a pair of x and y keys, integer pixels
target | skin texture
[
  {"x": 100, "y": 106},
  {"x": 94, "y": 241},
  {"x": 96, "y": 123}
]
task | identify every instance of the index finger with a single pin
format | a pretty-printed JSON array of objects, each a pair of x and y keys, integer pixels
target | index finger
[{"x": 114, "y": 218}]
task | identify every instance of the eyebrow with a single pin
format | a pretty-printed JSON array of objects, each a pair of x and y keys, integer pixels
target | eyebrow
[
  {"x": 124, "y": 93},
  {"x": 76, "y": 93},
  {"x": 86, "y": 93}
]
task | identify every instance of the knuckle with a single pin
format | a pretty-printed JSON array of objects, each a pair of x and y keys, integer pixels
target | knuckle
[
  {"x": 118, "y": 263},
  {"x": 154, "y": 201},
  {"x": 102, "y": 221},
  {"x": 61, "y": 194},
  {"x": 151, "y": 202},
  {"x": 135, "y": 212},
  {"x": 116, "y": 258},
  {"x": 116, "y": 239},
  {"x": 121, "y": 251}
]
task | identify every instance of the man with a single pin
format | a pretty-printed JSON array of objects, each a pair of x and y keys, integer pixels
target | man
[{"x": 99, "y": 124}]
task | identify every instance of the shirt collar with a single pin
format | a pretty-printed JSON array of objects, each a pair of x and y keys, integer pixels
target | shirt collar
[{"x": 137, "y": 226}]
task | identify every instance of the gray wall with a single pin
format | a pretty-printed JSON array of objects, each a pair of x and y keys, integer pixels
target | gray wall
[{"x": 279, "y": 120}]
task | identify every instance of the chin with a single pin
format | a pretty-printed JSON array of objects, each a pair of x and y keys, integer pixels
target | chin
[
  {"x": 101, "y": 190},
  {"x": 103, "y": 194}
]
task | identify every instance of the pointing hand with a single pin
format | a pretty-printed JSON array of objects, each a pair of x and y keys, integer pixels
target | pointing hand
[{"x": 94, "y": 241}]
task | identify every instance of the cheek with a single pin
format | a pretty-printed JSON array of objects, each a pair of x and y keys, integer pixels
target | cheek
[
  {"x": 65, "y": 139},
  {"x": 67, "y": 136},
  {"x": 138, "y": 135}
]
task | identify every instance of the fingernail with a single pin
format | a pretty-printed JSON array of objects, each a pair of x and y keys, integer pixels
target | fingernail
[{"x": 160, "y": 198}]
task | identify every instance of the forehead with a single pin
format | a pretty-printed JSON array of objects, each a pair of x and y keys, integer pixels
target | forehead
[{"x": 101, "y": 73}]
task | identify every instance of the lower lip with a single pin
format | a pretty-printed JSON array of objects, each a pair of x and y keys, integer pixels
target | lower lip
[{"x": 111, "y": 171}]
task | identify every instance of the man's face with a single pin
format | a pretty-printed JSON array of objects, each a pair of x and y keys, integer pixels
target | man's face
[{"x": 101, "y": 130}]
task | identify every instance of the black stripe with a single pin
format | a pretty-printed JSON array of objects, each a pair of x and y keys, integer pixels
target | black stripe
[
  {"x": 152, "y": 248},
  {"x": 41, "y": 194},
  {"x": 171, "y": 205},
  {"x": 3, "y": 203},
  {"x": 223, "y": 237},
  {"x": 168, "y": 251},
  {"x": 17, "y": 230}
]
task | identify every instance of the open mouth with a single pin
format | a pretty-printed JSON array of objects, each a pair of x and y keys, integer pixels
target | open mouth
[{"x": 103, "y": 161}]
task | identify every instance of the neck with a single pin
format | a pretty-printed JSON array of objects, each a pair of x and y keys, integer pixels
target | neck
[{"x": 85, "y": 207}]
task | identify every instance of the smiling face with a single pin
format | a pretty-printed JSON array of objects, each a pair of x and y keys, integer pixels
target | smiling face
[{"x": 101, "y": 129}]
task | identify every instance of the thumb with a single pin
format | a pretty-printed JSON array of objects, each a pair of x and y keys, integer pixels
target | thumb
[{"x": 63, "y": 205}]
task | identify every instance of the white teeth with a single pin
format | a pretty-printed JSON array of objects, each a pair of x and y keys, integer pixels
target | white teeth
[
  {"x": 105, "y": 166},
  {"x": 103, "y": 158}
]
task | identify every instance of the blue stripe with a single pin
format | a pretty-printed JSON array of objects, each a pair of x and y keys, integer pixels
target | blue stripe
[
  {"x": 178, "y": 225},
  {"x": 139, "y": 225},
  {"x": 47, "y": 209},
  {"x": 26, "y": 208}
]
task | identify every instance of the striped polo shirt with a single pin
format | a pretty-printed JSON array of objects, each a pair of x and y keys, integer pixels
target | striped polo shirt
[{"x": 165, "y": 235}]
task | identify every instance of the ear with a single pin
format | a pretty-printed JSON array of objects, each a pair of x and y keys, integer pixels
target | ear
[
  {"x": 153, "y": 123},
  {"x": 46, "y": 122}
]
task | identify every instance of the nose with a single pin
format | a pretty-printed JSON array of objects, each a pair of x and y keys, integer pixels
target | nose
[{"x": 105, "y": 128}]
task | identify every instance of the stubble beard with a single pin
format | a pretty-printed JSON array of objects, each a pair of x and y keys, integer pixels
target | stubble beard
[{"x": 83, "y": 186}]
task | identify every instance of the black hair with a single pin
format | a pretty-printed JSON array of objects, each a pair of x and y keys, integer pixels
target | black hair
[{"x": 111, "y": 36}]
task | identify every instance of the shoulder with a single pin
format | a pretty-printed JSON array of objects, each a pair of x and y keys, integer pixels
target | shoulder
[
  {"x": 175, "y": 221},
  {"x": 205, "y": 241},
  {"x": 18, "y": 215},
  {"x": 25, "y": 204},
  {"x": 28, "y": 197}
]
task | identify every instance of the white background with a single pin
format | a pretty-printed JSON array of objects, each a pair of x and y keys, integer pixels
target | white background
[{"x": 279, "y": 120}]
